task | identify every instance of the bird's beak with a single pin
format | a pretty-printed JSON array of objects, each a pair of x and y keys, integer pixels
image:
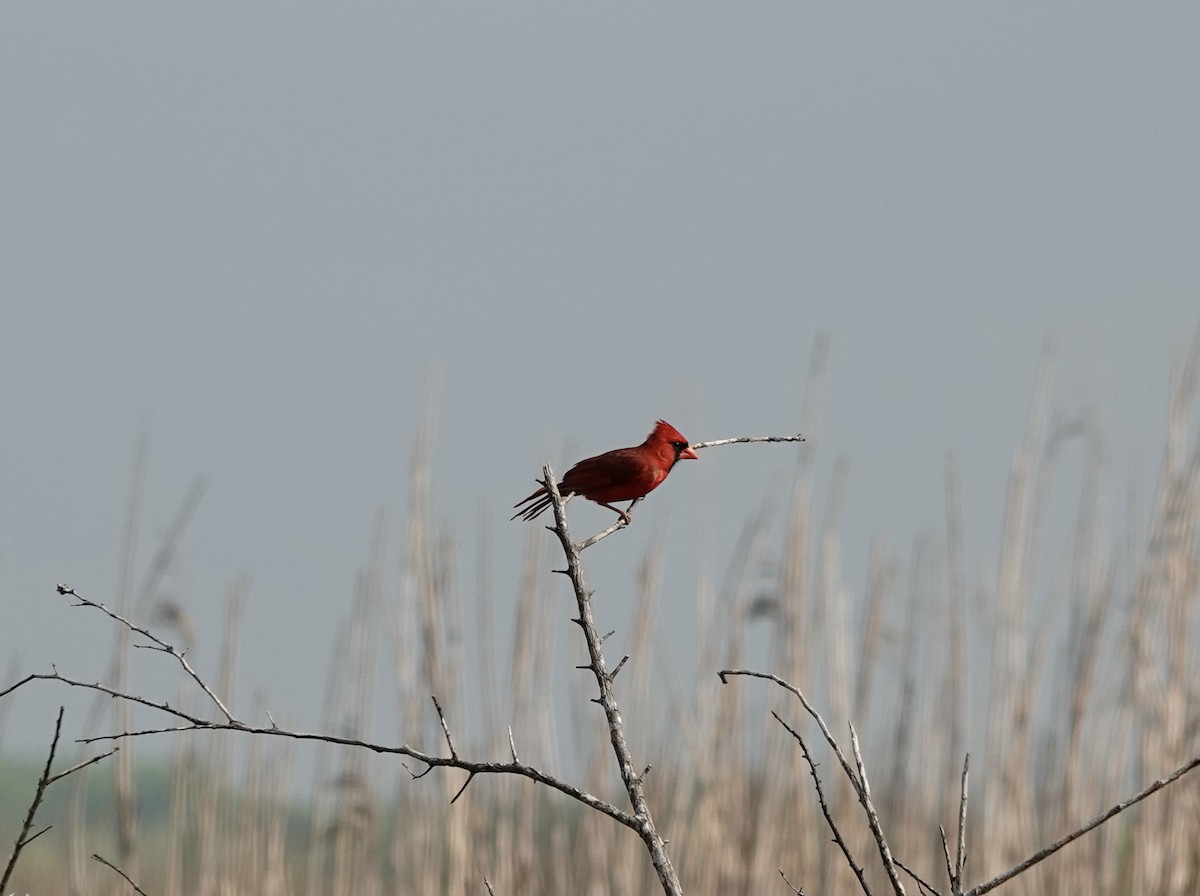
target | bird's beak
[{"x": 688, "y": 453}]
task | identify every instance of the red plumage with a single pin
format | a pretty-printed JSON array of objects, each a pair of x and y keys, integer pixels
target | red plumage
[{"x": 625, "y": 474}]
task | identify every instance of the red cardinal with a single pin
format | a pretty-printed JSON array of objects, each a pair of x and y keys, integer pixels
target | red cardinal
[{"x": 625, "y": 474}]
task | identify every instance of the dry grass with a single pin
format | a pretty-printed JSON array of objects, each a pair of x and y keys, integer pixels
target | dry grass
[{"x": 1071, "y": 677}]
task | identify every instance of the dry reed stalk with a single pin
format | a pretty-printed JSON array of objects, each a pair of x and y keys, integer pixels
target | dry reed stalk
[
  {"x": 528, "y": 718},
  {"x": 644, "y": 687},
  {"x": 276, "y": 878},
  {"x": 1009, "y": 813},
  {"x": 485, "y": 628},
  {"x": 212, "y": 767},
  {"x": 125, "y": 798},
  {"x": 881, "y": 572},
  {"x": 357, "y": 816},
  {"x": 721, "y": 767},
  {"x": 446, "y": 594},
  {"x": 953, "y": 710},
  {"x": 186, "y": 794},
  {"x": 1159, "y": 616},
  {"x": 322, "y": 801},
  {"x": 1092, "y": 591},
  {"x": 796, "y": 559},
  {"x": 245, "y": 849}
]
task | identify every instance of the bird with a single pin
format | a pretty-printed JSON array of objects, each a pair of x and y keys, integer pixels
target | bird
[{"x": 624, "y": 474}]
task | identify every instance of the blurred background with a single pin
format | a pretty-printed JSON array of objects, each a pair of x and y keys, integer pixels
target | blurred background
[{"x": 298, "y": 297}]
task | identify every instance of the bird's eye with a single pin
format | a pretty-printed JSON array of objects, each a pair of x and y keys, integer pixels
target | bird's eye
[{"x": 678, "y": 446}]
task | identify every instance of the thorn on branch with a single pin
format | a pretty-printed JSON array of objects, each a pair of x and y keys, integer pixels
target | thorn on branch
[
  {"x": 470, "y": 778},
  {"x": 445, "y": 727},
  {"x": 416, "y": 775},
  {"x": 614, "y": 672},
  {"x": 29, "y": 840},
  {"x": 604, "y": 638}
]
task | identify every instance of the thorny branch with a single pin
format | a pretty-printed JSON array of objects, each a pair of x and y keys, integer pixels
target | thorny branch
[
  {"x": 633, "y": 781},
  {"x": 157, "y": 644},
  {"x": 837, "y": 835},
  {"x": 190, "y": 722}
]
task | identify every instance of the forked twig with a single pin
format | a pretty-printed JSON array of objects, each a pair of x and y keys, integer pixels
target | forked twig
[
  {"x": 24, "y": 838},
  {"x": 157, "y": 644}
]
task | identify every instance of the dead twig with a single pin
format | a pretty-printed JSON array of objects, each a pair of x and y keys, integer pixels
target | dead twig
[
  {"x": 156, "y": 644},
  {"x": 103, "y": 861},
  {"x": 1100, "y": 819},
  {"x": 24, "y": 838},
  {"x": 189, "y": 722}
]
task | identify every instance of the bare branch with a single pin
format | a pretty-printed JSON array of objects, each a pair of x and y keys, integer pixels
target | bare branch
[
  {"x": 103, "y": 861},
  {"x": 808, "y": 707},
  {"x": 960, "y": 860},
  {"x": 158, "y": 644},
  {"x": 857, "y": 776},
  {"x": 798, "y": 891},
  {"x": 715, "y": 443},
  {"x": 950, "y": 875},
  {"x": 23, "y": 836},
  {"x": 837, "y": 834},
  {"x": 82, "y": 765},
  {"x": 864, "y": 797},
  {"x": 431, "y": 761},
  {"x": 923, "y": 885},
  {"x": 1054, "y": 847},
  {"x": 655, "y": 844}
]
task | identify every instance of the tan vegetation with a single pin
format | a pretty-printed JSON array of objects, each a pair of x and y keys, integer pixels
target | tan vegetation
[{"x": 1073, "y": 688}]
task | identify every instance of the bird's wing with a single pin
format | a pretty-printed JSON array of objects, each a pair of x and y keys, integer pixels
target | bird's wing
[{"x": 620, "y": 475}]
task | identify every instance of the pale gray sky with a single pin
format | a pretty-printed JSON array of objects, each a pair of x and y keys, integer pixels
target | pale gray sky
[{"x": 260, "y": 231}]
